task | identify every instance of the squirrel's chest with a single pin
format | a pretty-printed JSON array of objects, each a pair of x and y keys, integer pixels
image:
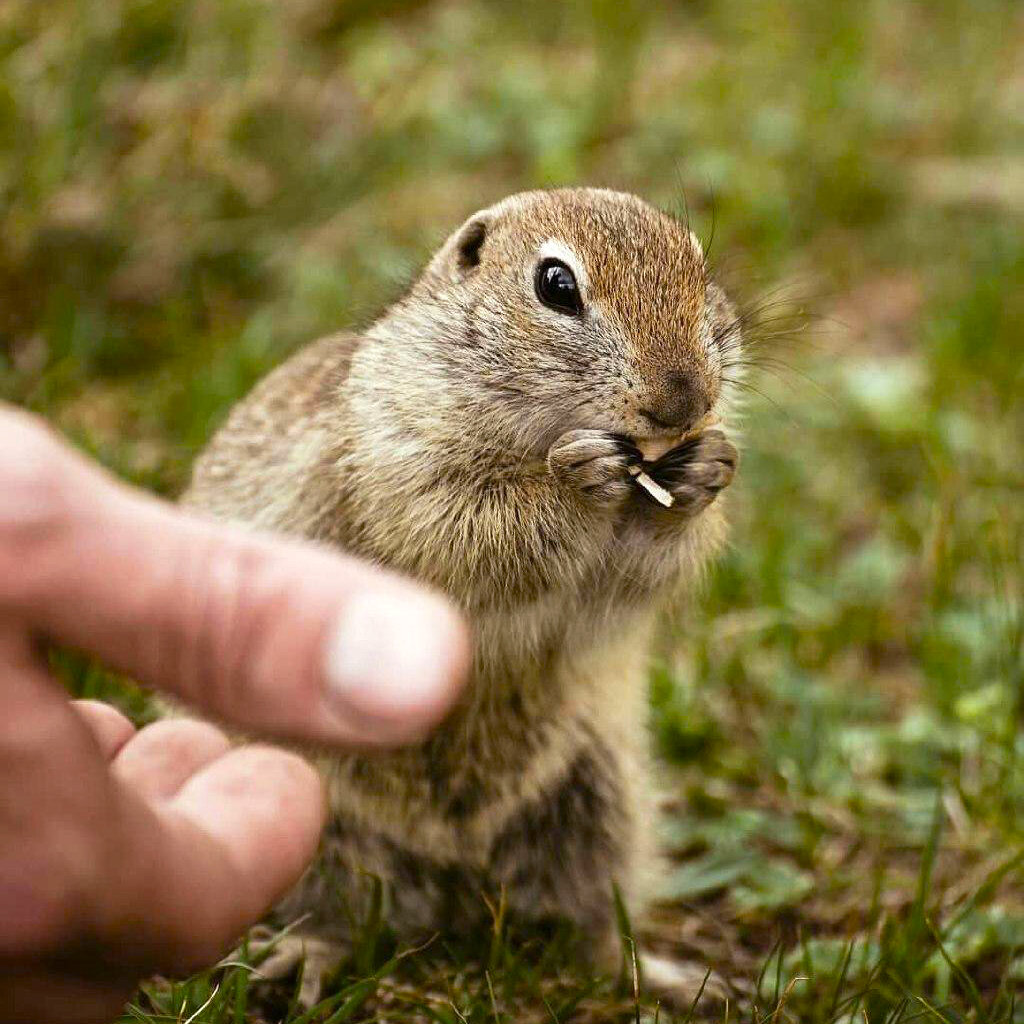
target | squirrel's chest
[
  {"x": 532, "y": 711},
  {"x": 454, "y": 791},
  {"x": 455, "y": 796}
]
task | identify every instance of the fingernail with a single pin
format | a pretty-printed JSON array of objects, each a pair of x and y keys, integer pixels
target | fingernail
[{"x": 393, "y": 661}]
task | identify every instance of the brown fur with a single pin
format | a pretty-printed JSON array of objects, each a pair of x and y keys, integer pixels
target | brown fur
[{"x": 473, "y": 438}]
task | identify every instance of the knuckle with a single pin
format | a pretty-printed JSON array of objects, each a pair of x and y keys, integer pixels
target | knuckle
[
  {"x": 180, "y": 738},
  {"x": 285, "y": 765},
  {"x": 241, "y": 604},
  {"x": 260, "y": 772}
]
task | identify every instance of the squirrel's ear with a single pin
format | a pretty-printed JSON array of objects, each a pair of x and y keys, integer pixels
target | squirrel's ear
[
  {"x": 470, "y": 241},
  {"x": 463, "y": 250}
]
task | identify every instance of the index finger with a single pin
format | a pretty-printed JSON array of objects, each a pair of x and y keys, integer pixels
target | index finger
[{"x": 272, "y": 635}]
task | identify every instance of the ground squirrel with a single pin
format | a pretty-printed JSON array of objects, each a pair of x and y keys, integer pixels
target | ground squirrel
[{"x": 480, "y": 437}]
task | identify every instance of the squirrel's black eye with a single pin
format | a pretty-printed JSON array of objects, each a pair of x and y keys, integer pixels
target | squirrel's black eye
[{"x": 556, "y": 287}]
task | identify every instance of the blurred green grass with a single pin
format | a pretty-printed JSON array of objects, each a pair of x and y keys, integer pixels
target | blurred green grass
[{"x": 190, "y": 190}]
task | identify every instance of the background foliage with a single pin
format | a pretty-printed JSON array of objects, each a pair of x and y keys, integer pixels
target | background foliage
[{"x": 189, "y": 190}]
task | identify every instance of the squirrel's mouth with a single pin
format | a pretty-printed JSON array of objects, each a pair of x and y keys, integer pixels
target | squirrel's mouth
[{"x": 652, "y": 448}]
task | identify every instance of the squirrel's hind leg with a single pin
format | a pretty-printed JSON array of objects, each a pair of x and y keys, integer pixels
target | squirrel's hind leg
[{"x": 312, "y": 957}]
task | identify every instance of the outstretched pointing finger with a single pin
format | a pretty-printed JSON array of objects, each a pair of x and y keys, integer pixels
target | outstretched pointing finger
[{"x": 271, "y": 635}]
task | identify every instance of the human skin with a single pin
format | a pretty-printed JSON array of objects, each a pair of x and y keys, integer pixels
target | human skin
[{"x": 127, "y": 852}]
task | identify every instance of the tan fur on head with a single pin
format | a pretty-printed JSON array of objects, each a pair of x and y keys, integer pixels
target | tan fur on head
[
  {"x": 481, "y": 441},
  {"x": 644, "y": 345}
]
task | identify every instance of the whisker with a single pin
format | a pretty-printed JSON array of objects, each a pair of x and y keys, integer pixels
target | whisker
[{"x": 742, "y": 385}]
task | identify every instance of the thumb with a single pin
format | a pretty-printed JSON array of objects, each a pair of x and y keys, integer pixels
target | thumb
[{"x": 271, "y": 635}]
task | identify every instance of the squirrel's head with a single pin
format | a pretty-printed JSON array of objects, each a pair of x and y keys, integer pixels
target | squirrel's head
[{"x": 578, "y": 308}]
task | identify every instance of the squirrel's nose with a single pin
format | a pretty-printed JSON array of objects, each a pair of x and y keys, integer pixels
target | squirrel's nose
[{"x": 678, "y": 403}]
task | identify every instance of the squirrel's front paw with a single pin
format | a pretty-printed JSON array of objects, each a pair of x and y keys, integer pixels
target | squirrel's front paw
[
  {"x": 595, "y": 463},
  {"x": 695, "y": 472}
]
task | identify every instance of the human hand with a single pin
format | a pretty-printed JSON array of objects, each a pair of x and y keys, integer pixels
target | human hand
[{"x": 123, "y": 853}]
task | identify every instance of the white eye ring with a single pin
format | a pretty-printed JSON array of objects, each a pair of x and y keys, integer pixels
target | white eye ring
[{"x": 555, "y": 249}]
